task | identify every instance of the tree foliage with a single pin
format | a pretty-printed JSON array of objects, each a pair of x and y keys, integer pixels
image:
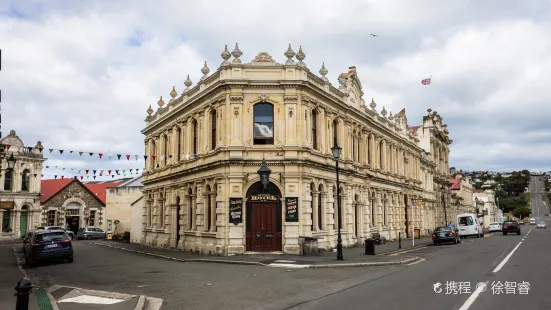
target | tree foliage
[
  {"x": 521, "y": 212},
  {"x": 510, "y": 190}
]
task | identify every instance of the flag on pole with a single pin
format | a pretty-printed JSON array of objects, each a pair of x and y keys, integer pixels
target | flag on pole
[{"x": 426, "y": 81}]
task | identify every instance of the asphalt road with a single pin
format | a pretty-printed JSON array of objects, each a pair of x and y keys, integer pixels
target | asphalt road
[
  {"x": 538, "y": 208},
  {"x": 494, "y": 258}
]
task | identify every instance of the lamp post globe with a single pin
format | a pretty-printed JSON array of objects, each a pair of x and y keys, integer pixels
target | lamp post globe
[
  {"x": 11, "y": 162},
  {"x": 337, "y": 151},
  {"x": 264, "y": 173}
]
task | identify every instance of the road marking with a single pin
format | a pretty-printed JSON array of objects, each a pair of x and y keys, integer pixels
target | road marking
[
  {"x": 417, "y": 262},
  {"x": 473, "y": 297},
  {"x": 94, "y": 300},
  {"x": 407, "y": 251},
  {"x": 289, "y": 265},
  {"x": 504, "y": 261}
]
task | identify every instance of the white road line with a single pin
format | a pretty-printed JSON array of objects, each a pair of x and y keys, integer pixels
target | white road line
[
  {"x": 504, "y": 261},
  {"x": 473, "y": 297},
  {"x": 417, "y": 262}
]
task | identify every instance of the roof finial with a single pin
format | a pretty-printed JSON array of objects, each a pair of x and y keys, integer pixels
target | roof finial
[
  {"x": 150, "y": 110},
  {"x": 225, "y": 55},
  {"x": 373, "y": 105},
  {"x": 323, "y": 72},
  {"x": 236, "y": 54},
  {"x": 300, "y": 57},
  {"x": 161, "y": 102},
  {"x": 188, "y": 84},
  {"x": 205, "y": 70},
  {"x": 173, "y": 94},
  {"x": 289, "y": 53}
]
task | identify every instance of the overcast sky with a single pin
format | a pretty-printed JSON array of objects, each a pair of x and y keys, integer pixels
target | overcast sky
[{"x": 80, "y": 75}]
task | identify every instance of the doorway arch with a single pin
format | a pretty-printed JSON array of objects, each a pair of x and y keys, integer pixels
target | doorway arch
[{"x": 263, "y": 219}]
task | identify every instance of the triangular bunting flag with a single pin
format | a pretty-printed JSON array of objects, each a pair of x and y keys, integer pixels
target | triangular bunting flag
[
  {"x": 35, "y": 175},
  {"x": 81, "y": 177},
  {"x": 71, "y": 152},
  {"x": 62, "y": 177},
  {"x": 154, "y": 157},
  {"x": 41, "y": 175},
  {"x": 60, "y": 151},
  {"x": 94, "y": 172},
  {"x": 101, "y": 174},
  {"x": 20, "y": 173},
  {"x": 8, "y": 147},
  {"x": 131, "y": 170},
  {"x": 117, "y": 171},
  {"x": 137, "y": 156},
  {"x": 94, "y": 177},
  {"x": 123, "y": 171},
  {"x": 108, "y": 171},
  {"x": 40, "y": 149},
  {"x": 91, "y": 154},
  {"x": 80, "y": 153},
  {"x": 87, "y": 171},
  {"x": 109, "y": 156},
  {"x": 22, "y": 164},
  {"x": 145, "y": 157},
  {"x": 100, "y": 155},
  {"x": 119, "y": 156},
  {"x": 55, "y": 176},
  {"x": 127, "y": 157},
  {"x": 79, "y": 171},
  {"x": 76, "y": 177},
  {"x": 51, "y": 150},
  {"x": 112, "y": 176}
]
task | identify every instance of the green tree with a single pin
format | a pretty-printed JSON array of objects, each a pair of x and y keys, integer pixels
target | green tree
[{"x": 521, "y": 212}]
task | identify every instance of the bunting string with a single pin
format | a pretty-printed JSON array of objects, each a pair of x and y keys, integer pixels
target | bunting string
[{"x": 100, "y": 155}]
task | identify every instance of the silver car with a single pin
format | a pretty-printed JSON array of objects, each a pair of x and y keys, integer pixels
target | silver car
[
  {"x": 90, "y": 233},
  {"x": 541, "y": 224}
]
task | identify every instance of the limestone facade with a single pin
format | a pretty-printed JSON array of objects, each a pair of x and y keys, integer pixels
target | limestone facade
[
  {"x": 19, "y": 187},
  {"x": 118, "y": 205},
  {"x": 462, "y": 195},
  {"x": 204, "y": 148}
]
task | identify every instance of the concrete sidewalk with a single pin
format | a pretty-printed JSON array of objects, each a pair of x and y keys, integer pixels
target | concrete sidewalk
[{"x": 353, "y": 257}]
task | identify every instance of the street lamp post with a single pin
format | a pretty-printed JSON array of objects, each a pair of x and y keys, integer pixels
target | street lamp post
[
  {"x": 444, "y": 204},
  {"x": 264, "y": 173},
  {"x": 337, "y": 150}
]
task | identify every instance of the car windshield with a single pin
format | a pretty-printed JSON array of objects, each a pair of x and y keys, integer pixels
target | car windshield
[
  {"x": 541, "y": 222},
  {"x": 442, "y": 229},
  {"x": 51, "y": 236}
]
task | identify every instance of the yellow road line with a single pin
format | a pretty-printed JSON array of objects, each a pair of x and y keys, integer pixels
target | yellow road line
[{"x": 407, "y": 251}]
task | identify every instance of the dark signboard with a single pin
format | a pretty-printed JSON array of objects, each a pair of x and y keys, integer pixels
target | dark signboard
[
  {"x": 291, "y": 209},
  {"x": 264, "y": 198},
  {"x": 6, "y": 205},
  {"x": 236, "y": 210}
]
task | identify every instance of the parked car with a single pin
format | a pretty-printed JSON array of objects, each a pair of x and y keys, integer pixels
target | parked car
[
  {"x": 494, "y": 226},
  {"x": 541, "y": 224},
  {"x": 68, "y": 232},
  {"x": 510, "y": 227},
  {"x": 46, "y": 245},
  {"x": 90, "y": 233},
  {"x": 469, "y": 225},
  {"x": 445, "y": 234}
]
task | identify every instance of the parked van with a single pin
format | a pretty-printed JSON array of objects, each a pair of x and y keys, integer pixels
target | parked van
[{"x": 469, "y": 225}]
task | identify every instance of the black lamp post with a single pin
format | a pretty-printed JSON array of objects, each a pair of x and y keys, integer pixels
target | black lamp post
[
  {"x": 444, "y": 204},
  {"x": 337, "y": 150},
  {"x": 264, "y": 173}
]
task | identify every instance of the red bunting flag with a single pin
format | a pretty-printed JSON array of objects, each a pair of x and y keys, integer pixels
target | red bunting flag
[
  {"x": 426, "y": 81},
  {"x": 87, "y": 171},
  {"x": 100, "y": 155},
  {"x": 40, "y": 149},
  {"x": 127, "y": 157},
  {"x": 108, "y": 171},
  {"x": 8, "y": 147},
  {"x": 62, "y": 177},
  {"x": 154, "y": 157},
  {"x": 81, "y": 177}
]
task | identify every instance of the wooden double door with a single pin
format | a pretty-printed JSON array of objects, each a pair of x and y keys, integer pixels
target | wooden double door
[{"x": 263, "y": 227}]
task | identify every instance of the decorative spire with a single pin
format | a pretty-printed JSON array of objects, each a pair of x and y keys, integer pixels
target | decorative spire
[
  {"x": 173, "y": 94},
  {"x": 236, "y": 54},
  {"x": 383, "y": 112},
  {"x": 188, "y": 84},
  {"x": 373, "y": 105},
  {"x": 225, "y": 55},
  {"x": 390, "y": 117},
  {"x": 205, "y": 70},
  {"x": 149, "y": 111},
  {"x": 289, "y": 54},
  {"x": 300, "y": 57},
  {"x": 161, "y": 102},
  {"x": 323, "y": 72}
]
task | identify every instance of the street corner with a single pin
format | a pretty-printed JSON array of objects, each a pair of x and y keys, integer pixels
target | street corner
[{"x": 74, "y": 298}]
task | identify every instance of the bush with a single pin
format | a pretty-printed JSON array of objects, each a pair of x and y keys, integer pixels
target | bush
[{"x": 126, "y": 236}]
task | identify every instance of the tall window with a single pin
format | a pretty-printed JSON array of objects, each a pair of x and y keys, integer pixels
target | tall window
[
  {"x": 166, "y": 150},
  {"x": 335, "y": 207},
  {"x": 373, "y": 222},
  {"x": 51, "y": 218},
  {"x": 209, "y": 209},
  {"x": 178, "y": 143},
  {"x": 213, "y": 133},
  {"x": 190, "y": 210},
  {"x": 381, "y": 146},
  {"x": 92, "y": 219},
  {"x": 8, "y": 180},
  {"x": 369, "y": 149},
  {"x": 385, "y": 221},
  {"x": 161, "y": 211},
  {"x": 26, "y": 180},
  {"x": 354, "y": 146},
  {"x": 356, "y": 216},
  {"x": 335, "y": 135},
  {"x": 320, "y": 208},
  {"x": 6, "y": 220},
  {"x": 315, "y": 130},
  {"x": 194, "y": 129},
  {"x": 149, "y": 212},
  {"x": 263, "y": 123},
  {"x": 153, "y": 153},
  {"x": 312, "y": 188}
]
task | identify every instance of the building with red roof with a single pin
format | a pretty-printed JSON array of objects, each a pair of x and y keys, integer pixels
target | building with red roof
[
  {"x": 461, "y": 194},
  {"x": 74, "y": 204}
]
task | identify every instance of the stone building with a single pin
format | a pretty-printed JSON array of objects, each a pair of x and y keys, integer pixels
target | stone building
[
  {"x": 202, "y": 191},
  {"x": 73, "y": 204},
  {"x": 462, "y": 195},
  {"x": 485, "y": 205},
  {"x": 20, "y": 186},
  {"x": 119, "y": 201}
]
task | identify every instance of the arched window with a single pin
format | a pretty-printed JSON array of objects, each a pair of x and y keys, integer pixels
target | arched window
[
  {"x": 209, "y": 209},
  {"x": 149, "y": 212},
  {"x": 369, "y": 150},
  {"x": 356, "y": 215},
  {"x": 8, "y": 180},
  {"x": 315, "y": 130},
  {"x": 384, "y": 211},
  {"x": 263, "y": 123},
  {"x": 194, "y": 132},
  {"x": 213, "y": 129},
  {"x": 381, "y": 151},
  {"x": 26, "y": 181},
  {"x": 213, "y": 210},
  {"x": 373, "y": 222},
  {"x": 320, "y": 208},
  {"x": 335, "y": 132},
  {"x": 166, "y": 150},
  {"x": 153, "y": 153},
  {"x": 178, "y": 143},
  {"x": 312, "y": 218},
  {"x": 354, "y": 146}
]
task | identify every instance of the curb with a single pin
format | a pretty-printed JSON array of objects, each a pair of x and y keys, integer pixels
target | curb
[{"x": 237, "y": 262}]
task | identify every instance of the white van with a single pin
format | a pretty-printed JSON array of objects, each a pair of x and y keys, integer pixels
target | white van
[{"x": 469, "y": 225}]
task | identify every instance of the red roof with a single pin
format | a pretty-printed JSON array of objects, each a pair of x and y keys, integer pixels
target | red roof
[
  {"x": 456, "y": 184},
  {"x": 52, "y": 187},
  {"x": 414, "y": 129}
]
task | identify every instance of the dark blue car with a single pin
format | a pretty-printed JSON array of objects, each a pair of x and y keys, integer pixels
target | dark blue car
[
  {"x": 445, "y": 234},
  {"x": 48, "y": 245}
]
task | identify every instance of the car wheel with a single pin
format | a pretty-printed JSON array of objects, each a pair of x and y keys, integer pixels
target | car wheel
[
  {"x": 504, "y": 233},
  {"x": 435, "y": 243},
  {"x": 70, "y": 259},
  {"x": 518, "y": 233},
  {"x": 89, "y": 237}
]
